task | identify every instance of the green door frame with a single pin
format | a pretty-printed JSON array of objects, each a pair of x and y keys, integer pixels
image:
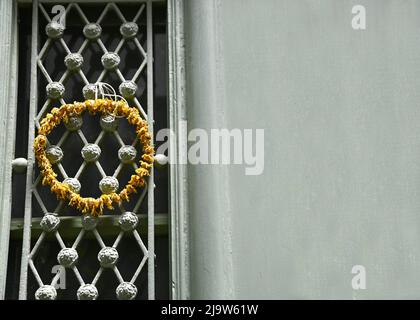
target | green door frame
[
  {"x": 179, "y": 231},
  {"x": 179, "y": 222},
  {"x": 8, "y": 102}
]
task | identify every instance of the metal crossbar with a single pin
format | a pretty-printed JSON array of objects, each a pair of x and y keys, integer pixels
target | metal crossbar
[{"x": 87, "y": 286}]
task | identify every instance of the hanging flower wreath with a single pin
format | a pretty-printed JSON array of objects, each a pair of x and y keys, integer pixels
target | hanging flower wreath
[{"x": 63, "y": 190}]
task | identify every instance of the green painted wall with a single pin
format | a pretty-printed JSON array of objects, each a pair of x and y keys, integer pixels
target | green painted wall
[{"x": 341, "y": 113}]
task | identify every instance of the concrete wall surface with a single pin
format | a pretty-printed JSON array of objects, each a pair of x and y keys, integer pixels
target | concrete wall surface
[{"x": 340, "y": 109}]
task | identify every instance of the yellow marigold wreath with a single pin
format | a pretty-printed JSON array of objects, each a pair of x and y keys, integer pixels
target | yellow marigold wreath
[{"x": 62, "y": 190}]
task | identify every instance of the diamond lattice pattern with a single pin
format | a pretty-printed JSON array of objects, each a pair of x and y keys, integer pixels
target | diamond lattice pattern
[{"x": 90, "y": 157}]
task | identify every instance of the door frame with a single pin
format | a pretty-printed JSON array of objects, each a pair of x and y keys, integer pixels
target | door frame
[
  {"x": 178, "y": 216},
  {"x": 179, "y": 224}
]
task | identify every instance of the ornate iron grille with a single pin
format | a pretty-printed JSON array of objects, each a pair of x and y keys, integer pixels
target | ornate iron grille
[{"x": 45, "y": 217}]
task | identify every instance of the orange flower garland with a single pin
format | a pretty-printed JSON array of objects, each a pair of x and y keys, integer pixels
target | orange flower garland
[{"x": 62, "y": 190}]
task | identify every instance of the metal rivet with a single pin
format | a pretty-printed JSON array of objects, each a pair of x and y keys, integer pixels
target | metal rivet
[
  {"x": 108, "y": 185},
  {"x": 109, "y": 123},
  {"x": 128, "y": 89},
  {"x": 54, "y": 30},
  {"x": 127, "y": 154},
  {"x": 89, "y": 91},
  {"x": 74, "y": 123},
  {"x": 67, "y": 257},
  {"x": 108, "y": 257},
  {"x": 126, "y": 291},
  {"x": 110, "y": 60},
  {"x": 91, "y": 152},
  {"x": 87, "y": 292},
  {"x": 89, "y": 222},
  {"x": 129, "y": 29},
  {"x": 74, "y": 184},
  {"x": 46, "y": 292},
  {"x": 128, "y": 221},
  {"x": 55, "y": 90},
  {"x": 50, "y": 222},
  {"x": 161, "y": 160},
  {"x": 73, "y": 61},
  {"x": 54, "y": 154}
]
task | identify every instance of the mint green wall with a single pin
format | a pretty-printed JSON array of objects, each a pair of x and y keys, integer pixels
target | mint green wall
[{"x": 341, "y": 113}]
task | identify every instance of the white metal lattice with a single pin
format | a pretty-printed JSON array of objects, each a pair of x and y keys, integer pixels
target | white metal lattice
[{"x": 50, "y": 222}]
